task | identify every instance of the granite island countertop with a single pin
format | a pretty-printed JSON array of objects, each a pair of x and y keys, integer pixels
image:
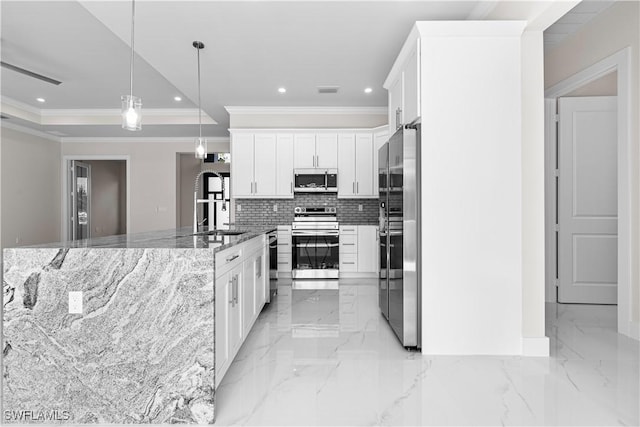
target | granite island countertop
[
  {"x": 136, "y": 345},
  {"x": 178, "y": 238}
]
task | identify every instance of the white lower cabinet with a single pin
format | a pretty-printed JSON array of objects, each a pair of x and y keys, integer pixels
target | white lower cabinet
[
  {"x": 241, "y": 286},
  {"x": 358, "y": 250}
]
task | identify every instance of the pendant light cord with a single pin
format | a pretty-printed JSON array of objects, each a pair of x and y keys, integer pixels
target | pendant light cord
[
  {"x": 133, "y": 14},
  {"x": 199, "y": 104}
]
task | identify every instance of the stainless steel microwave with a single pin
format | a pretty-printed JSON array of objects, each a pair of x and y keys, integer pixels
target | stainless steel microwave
[{"x": 315, "y": 180}]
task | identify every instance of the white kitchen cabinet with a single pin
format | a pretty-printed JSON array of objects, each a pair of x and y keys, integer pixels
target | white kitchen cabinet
[
  {"x": 368, "y": 249},
  {"x": 253, "y": 171},
  {"x": 242, "y": 165},
  {"x": 404, "y": 91},
  {"x": 315, "y": 151},
  {"x": 284, "y": 165},
  {"x": 411, "y": 92},
  {"x": 248, "y": 294},
  {"x": 380, "y": 136},
  {"x": 327, "y": 150},
  {"x": 396, "y": 103},
  {"x": 228, "y": 318},
  {"x": 254, "y": 283},
  {"x": 264, "y": 159},
  {"x": 358, "y": 250},
  {"x": 304, "y": 151},
  {"x": 284, "y": 251},
  {"x": 355, "y": 165}
]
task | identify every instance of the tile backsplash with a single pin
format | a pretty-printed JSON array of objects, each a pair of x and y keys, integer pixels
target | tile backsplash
[{"x": 260, "y": 211}]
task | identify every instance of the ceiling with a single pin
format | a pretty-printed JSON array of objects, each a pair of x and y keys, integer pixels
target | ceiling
[
  {"x": 252, "y": 49},
  {"x": 584, "y": 12}
]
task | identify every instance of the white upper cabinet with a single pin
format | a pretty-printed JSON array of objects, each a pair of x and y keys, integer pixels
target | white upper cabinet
[
  {"x": 264, "y": 155},
  {"x": 404, "y": 91},
  {"x": 304, "y": 155},
  {"x": 355, "y": 165},
  {"x": 253, "y": 169},
  {"x": 346, "y": 164},
  {"x": 327, "y": 150},
  {"x": 315, "y": 150},
  {"x": 242, "y": 155},
  {"x": 284, "y": 165},
  {"x": 380, "y": 136}
]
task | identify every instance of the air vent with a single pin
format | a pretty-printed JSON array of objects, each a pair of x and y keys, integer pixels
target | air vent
[
  {"x": 328, "y": 89},
  {"x": 29, "y": 73}
]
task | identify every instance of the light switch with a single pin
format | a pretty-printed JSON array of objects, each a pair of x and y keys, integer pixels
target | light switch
[
  {"x": 75, "y": 302},
  {"x": 238, "y": 208},
  {"x": 360, "y": 208},
  {"x": 275, "y": 208}
]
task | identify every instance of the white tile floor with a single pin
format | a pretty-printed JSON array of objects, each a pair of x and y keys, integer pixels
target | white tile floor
[{"x": 327, "y": 357}]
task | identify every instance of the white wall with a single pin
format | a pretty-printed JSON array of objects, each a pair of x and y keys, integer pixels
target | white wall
[
  {"x": 612, "y": 30},
  {"x": 30, "y": 189},
  {"x": 471, "y": 188},
  {"x": 153, "y": 180}
]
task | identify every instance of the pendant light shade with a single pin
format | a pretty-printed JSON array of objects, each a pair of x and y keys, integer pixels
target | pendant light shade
[
  {"x": 201, "y": 143},
  {"x": 132, "y": 105}
]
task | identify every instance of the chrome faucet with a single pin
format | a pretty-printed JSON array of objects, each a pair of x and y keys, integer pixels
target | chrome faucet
[{"x": 205, "y": 201}]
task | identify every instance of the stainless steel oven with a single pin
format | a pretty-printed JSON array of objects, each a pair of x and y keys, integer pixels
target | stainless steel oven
[{"x": 315, "y": 243}]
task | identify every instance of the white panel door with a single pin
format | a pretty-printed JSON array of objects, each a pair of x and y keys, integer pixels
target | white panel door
[
  {"x": 346, "y": 165},
  {"x": 284, "y": 162},
  {"x": 304, "y": 150},
  {"x": 242, "y": 165},
  {"x": 264, "y": 181},
  {"x": 364, "y": 165},
  {"x": 327, "y": 151},
  {"x": 587, "y": 200}
]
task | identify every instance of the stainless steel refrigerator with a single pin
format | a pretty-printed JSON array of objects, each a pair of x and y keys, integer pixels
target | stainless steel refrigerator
[{"x": 399, "y": 232}]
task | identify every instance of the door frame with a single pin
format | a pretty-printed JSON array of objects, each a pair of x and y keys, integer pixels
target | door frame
[
  {"x": 66, "y": 160},
  {"x": 619, "y": 62}
]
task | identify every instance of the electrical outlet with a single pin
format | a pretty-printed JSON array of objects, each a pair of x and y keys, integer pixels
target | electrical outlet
[
  {"x": 275, "y": 207},
  {"x": 75, "y": 302},
  {"x": 360, "y": 208},
  {"x": 238, "y": 208}
]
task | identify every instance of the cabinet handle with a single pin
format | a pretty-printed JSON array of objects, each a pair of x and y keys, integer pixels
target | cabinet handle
[
  {"x": 232, "y": 257},
  {"x": 231, "y": 293},
  {"x": 348, "y": 229},
  {"x": 357, "y": 188},
  {"x": 235, "y": 289},
  {"x": 318, "y": 161},
  {"x": 353, "y": 187},
  {"x": 348, "y": 244},
  {"x": 345, "y": 262},
  {"x": 291, "y": 187},
  {"x": 283, "y": 263},
  {"x": 256, "y": 183}
]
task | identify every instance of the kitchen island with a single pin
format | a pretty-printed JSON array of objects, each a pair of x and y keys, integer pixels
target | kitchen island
[{"x": 118, "y": 329}]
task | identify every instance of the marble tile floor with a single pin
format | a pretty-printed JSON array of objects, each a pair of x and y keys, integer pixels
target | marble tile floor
[{"x": 327, "y": 357}]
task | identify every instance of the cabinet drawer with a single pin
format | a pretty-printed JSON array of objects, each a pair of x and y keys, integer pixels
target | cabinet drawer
[
  {"x": 348, "y": 262},
  {"x": 348, "y": 229},
  {"x": 284, "y": 262},
  {"x": 284, "y": 242},
  {"x": 228, "y": 259},
  {"x": 349, "y": 243}
]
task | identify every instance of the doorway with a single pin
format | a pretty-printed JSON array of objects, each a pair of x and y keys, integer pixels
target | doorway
[
  {"x": 617, "y": 65},
  {"x": 96, "y": 197}
]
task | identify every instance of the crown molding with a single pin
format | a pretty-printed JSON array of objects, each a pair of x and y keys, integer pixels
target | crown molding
[
  {"x": 100, "y": 116},
  {"x": 29, "y": 131},
  {"x": 306, "y": 110},
  {"x": 140, "y": 139}
]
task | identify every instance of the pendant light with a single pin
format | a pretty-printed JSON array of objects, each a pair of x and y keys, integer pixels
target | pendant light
[
  {"x": 201, "y": 143},
  {"x": 131, "y": 105}
]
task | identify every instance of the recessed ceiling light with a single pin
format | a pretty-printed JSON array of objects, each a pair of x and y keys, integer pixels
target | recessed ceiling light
[
  {"x": 177, "y": 98},
  {"x": 40, "y": 99},
  {"x": 368, "y": 90},
  {"x": 282, "y": 90}
]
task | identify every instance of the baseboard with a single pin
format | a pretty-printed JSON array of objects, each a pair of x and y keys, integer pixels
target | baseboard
[
  {"x": 535, "y": 346},
  {"x": 634, "y": 330}
]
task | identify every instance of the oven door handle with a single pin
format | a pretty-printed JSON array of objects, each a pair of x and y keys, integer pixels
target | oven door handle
[
  {"x": 316, "y": 245},
  {"x": 311, "y": 233}
]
